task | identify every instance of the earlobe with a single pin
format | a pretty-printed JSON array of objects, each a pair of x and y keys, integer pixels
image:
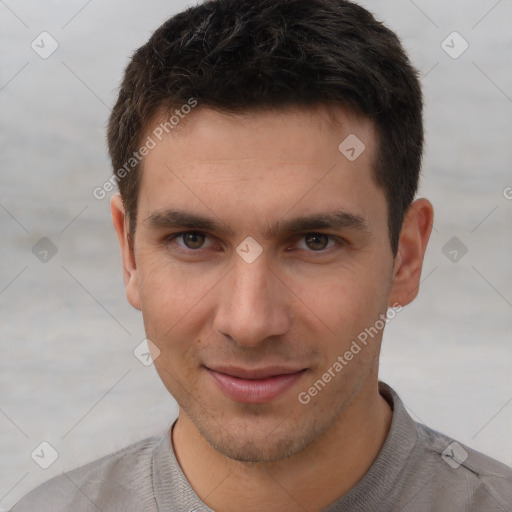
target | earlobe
[
  {"x": 121, "y": 225},
  {"x": 414, "y": 236}
]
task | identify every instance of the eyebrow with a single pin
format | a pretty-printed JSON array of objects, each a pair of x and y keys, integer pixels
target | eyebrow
[{"x": 334, "y": 220}]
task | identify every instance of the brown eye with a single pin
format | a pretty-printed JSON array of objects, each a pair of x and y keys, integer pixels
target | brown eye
[
  {"x": 316, "y": 241},
  {"x": 193, "y": 240}
]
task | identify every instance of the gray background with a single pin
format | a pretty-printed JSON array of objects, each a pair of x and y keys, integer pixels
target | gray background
[{"x": 68, "y": 375}]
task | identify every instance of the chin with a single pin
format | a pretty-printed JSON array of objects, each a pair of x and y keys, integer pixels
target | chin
[
  {"x": 261, "y": 451},
  {"x": 257, "y": 444}
]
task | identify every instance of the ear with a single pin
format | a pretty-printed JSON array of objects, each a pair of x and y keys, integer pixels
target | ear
[
  {"x": 121, "y": 225},
  {"x": 414, "y": 236}
]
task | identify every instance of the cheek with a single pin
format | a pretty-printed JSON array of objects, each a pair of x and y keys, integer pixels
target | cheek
[
  {"x": 173, "y": 303},
  {"x": 344, "y": 301},
  {"x": 168, "y": 290},
  {"x": 171, "y": 307}
]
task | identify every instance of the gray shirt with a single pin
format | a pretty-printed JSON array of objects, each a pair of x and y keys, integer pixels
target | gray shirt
[{"x": 417, "y": 469}]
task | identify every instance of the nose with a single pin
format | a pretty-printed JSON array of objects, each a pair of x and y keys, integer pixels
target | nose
[{"x": 253, "y": 305}]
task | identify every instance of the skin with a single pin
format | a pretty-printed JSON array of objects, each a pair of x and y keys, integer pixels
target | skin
[{"x": 300, "y": 304}]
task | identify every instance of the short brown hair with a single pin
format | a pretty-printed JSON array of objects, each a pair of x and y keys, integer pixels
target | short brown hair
[{"x": 243, "y": 55}]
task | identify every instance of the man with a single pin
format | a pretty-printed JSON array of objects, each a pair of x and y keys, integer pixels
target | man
[{"x": 267, "y": 155}]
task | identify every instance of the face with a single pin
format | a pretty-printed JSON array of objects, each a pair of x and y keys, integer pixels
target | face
[{"x": 261, "y": 252}]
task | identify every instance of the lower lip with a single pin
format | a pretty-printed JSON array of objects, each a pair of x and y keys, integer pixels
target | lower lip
[{"x": 254, "y": 391}]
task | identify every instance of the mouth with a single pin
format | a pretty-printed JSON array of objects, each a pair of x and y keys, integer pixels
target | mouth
[{"x": 258, "y": 385}]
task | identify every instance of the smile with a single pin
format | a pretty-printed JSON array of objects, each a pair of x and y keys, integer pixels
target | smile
[{"x": 254, "y": 386}]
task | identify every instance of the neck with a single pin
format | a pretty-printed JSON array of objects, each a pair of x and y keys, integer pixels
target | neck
[{"x": 312, "y": 479}]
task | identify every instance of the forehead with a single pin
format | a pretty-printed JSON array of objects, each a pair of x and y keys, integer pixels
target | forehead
[
  {"x": 260, "y": 163},
  {"x": 315, "y": 127}
]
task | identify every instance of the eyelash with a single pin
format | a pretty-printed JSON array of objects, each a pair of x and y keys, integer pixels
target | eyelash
[{"x": 339, "y": 242}]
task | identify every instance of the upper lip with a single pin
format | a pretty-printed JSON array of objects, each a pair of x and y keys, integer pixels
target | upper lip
[{"x": 255, "y": 373}]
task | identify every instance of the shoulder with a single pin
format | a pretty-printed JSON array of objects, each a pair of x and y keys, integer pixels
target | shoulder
[
  {"x": 462, "y": 474},
  {"x": 122, "y": 477},
  {"x": 427, "y": 470}
]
